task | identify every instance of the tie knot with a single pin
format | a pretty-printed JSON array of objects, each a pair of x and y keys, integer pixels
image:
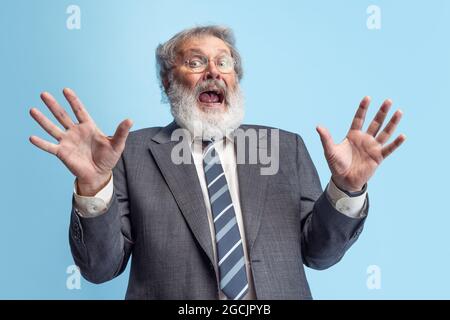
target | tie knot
[
  {"x": 209, "y": 151},
  {"x": 206, "y": 144}
]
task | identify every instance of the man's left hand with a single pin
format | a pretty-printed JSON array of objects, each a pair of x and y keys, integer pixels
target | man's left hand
[{"x": 355, "y": 159}]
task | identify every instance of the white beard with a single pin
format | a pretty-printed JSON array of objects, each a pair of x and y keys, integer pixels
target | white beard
[{"x": 205, "y": 124}]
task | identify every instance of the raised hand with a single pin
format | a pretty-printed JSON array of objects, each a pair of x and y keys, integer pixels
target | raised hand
[
  {"x": 82, "y": 147},
  {"x": 355, "y": 159}
]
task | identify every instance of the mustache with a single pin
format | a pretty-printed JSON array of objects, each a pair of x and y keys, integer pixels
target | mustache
[{"x": 211, "y": 84}]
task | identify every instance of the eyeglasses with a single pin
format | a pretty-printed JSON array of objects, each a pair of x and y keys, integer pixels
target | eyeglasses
[{"x": 199, "y": 63}]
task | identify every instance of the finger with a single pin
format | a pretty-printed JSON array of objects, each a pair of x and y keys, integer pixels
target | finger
[
  {"x": 60, "y": 114},
  {"x": 44, "y": 145},
  {"x": 384, "y": 135},
  {"x": 77, "y": 106},
  {"x": 360, "y": 115},
  {"x": 387, "y": 150},
  {"x": 377, "y": 122},
  {"x": 46, "y": 124},
  {"x": 121, "y": 134},
  {"x": 327, "y": 140}
]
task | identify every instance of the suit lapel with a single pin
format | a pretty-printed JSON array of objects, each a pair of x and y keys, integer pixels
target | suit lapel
[
  {"x": 252, "y": 190},
  {"x": 182, "y": 181}
]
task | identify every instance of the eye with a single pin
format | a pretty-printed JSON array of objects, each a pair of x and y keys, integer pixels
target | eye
[
  {"x": 225, "y": 62},
  {"x": 195, "y": 63}
]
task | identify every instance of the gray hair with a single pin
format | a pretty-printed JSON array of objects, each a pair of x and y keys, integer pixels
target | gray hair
[{"x": 166, "y": 53}]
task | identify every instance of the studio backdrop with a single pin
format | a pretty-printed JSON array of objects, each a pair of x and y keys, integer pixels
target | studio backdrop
[{"x": 305, "y": 63}]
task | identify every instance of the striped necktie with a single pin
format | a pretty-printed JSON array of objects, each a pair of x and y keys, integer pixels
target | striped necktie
[{"x": 230, "y": 252}]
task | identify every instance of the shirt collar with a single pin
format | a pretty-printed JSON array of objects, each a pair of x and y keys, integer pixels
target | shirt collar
[{"x": 229, "y": 137}]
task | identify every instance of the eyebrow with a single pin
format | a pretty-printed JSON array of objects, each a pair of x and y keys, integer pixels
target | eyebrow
[{"x": 201, "y": 52}]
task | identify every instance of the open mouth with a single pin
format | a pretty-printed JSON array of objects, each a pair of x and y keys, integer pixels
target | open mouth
[{"x": 211, "y": 97}]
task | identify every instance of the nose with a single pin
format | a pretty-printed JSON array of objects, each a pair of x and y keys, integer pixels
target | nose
[{"x": 211, "y": 72}]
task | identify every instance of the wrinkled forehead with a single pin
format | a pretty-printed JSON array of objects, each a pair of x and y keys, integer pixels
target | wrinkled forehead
[{"x": 205, "y": 45}]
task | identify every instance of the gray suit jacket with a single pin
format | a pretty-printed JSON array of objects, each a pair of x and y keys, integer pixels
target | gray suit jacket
[{"x": 158, "y": 217}]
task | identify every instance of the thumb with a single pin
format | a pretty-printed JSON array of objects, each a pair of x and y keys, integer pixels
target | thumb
[
  {"x": 121, "y": 134},
  {"x": 325, "y": 137}
]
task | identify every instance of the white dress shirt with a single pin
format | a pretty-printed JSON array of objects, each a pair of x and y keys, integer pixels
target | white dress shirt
[{"x": 89, "y": 207}]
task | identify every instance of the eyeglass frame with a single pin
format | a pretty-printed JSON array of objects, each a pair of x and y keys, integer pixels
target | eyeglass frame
[{"x": 207, "y": 62}]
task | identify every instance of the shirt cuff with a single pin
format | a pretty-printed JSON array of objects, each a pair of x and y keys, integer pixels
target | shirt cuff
[
  {"x": 90, "y": 207},
  {"x": 351, "y": 206}
]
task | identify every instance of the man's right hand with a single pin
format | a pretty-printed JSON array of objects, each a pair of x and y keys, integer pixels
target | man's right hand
[{"x": 83, "y": 148}]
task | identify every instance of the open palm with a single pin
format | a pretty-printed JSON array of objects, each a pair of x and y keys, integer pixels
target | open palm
[
  {"x": 83, "y": 148},
  {"x": 353, "y": 161}
]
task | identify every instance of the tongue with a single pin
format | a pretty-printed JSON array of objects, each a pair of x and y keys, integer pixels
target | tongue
[{"x": 209, "y": 97}]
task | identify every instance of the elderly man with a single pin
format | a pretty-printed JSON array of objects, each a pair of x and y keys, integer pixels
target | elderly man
[{"x": 214, "y": 227}]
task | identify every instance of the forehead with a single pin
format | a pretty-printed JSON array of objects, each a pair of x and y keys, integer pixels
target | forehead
[{"x": 208, "y": 45}]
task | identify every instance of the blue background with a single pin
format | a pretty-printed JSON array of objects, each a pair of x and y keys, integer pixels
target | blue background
[{"x": 306, "y": 62}]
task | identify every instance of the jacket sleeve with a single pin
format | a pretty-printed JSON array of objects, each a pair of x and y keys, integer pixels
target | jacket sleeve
[
  {"x": 101, "y": 246},
  {"x": 326, "y": 233}
]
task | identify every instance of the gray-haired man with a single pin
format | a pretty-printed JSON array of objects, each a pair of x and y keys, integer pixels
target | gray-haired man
[{"x": 213, "y": 227}]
